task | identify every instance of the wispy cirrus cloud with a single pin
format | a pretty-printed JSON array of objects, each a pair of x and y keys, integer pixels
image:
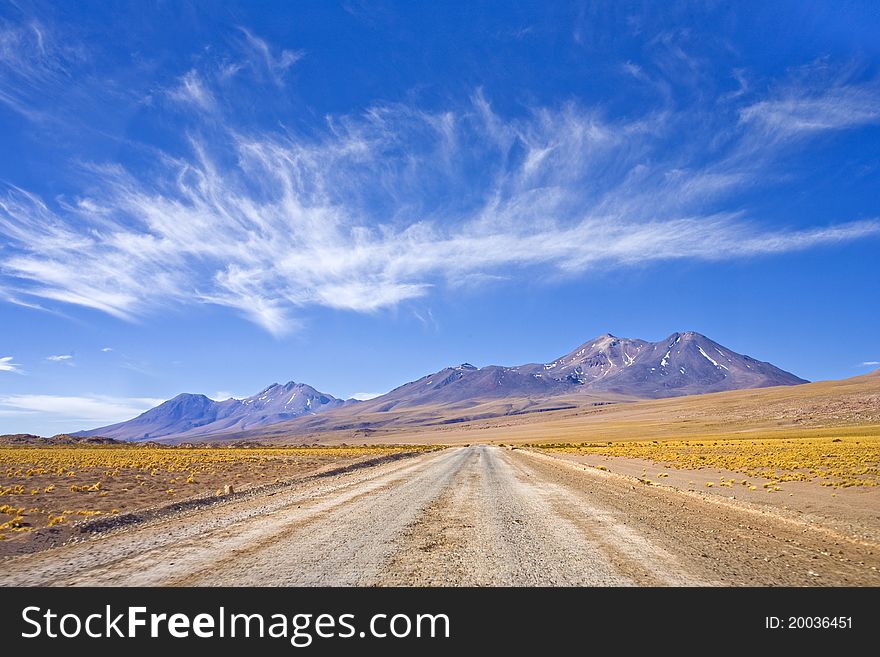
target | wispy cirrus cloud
[
  {"x": 6, "y": 365},
  {"x": 379, "y": 207},
  {"x": 33, "y": 64},
  {"x": 192, "y": 90},
  {"x": 264, "y": 62},
  {"x": 870, "y": 363},
  {"x": 67, "y": 359},
  {"x": 796, "y": 112}
]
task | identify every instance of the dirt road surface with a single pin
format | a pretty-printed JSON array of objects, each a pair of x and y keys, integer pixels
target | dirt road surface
[{"x": 477, "y": 515}]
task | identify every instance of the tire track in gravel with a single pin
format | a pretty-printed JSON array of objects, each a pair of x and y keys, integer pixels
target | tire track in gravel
[
  {"x": 344, "y": 546},
  {"x": 503, "y": 523}
]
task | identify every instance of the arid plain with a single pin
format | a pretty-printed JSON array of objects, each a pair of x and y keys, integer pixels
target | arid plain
[{"x": 777, "y": 486}]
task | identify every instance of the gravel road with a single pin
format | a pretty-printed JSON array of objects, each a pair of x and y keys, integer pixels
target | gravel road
[{"x": 478, "y": 515}]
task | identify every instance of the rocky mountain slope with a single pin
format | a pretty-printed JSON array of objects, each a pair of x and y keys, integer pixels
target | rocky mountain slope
[{"x": 196, "y": 415}]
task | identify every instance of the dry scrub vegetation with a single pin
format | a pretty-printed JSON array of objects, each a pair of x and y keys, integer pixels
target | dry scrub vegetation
[
  {"x": 839, "y": 462},
  {"x": 46, "y": 490}
]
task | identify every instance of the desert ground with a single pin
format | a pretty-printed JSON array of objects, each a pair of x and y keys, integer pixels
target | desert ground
[
  {"x": 49, "y": 494},
  {"x": 478, "y": 515}
]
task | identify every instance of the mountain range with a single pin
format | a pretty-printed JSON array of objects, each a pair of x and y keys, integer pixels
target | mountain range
[
  {"x": 682, "y": 364},
  {"x": 604, "y": 367},
  {"x": 197, "y": 414}
]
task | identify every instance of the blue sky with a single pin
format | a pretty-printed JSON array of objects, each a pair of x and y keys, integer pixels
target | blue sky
[{"x": 210, "y": 197}]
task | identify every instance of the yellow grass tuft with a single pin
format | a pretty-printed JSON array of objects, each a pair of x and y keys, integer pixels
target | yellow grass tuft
[
  {"x": 842, "y": 461},
  {"x": 131, "y": 477}
]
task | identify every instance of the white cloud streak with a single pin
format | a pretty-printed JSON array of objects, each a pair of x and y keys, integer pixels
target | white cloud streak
[
  {"x": 223, "y": 395},
  {"x": 796, "y": 114},
  {"x": 95, "y": 409},
  {"x": 33, "y": 64},
  {"x": 381, "y": 207},
  {"x": 192, "y": 90},
  {"x": 6, "y": 365},
  {"x": 62, "y": 358},
  {"x": 262, "y": 59},
  {"x": 870, "y": 363},
  {"x": 364, "y": 396}
]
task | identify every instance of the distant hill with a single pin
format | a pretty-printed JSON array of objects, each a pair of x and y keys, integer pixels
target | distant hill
[
  {"x": 193, "y": 415},
  {"x": 31, "y": 440}
]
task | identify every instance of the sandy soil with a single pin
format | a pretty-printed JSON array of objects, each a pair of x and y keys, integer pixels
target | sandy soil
[
  {"x": 851, "y": 511},
  {"x": 480, "y": 515}
]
